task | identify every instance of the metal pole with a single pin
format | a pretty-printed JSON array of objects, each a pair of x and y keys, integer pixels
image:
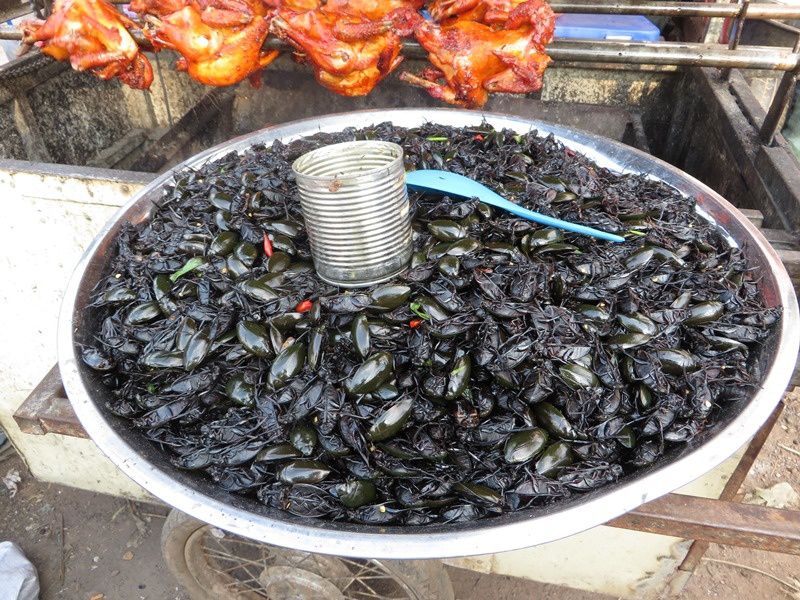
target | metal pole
[
  {"x": 643, "y": 53},
  {"x": 681, "y": 9},
  {"x": 674, "y": 53},
  {"x": 735, "y": 34},
  {"x": 773, "y": 121}
]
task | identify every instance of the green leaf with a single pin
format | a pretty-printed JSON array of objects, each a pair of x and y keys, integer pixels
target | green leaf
[
  {"x": 436, "y": 138},
  {"x": 416, "y": 308},
  {"x": 151, "y": 388},
  {"x": 518, "y": 138},
  {"x": 190, "y": 265},
  {"x": 634, "y": 232}
]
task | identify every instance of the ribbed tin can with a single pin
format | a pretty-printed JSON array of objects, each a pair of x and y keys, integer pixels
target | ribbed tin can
[{"x": 355, "y": 206}]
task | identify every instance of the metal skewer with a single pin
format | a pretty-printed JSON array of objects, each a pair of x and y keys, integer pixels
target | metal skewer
[{"x": 644, "y": 53}]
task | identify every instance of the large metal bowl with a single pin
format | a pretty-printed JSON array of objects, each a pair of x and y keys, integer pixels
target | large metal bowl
[{"x": 198, "y": 497}]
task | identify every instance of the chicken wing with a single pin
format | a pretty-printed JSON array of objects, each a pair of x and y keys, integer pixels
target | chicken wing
[
  {"x": 295, "y": 5},
  {"x": 158, "y": 8},
  {"x": 93, "y": 36},
  {"x": 472, "y": 59},
  {"x": 350, "y": 54},
  {"x": 219, "y": 40}
]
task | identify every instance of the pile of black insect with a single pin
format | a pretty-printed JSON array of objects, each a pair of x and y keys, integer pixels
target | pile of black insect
[{"x": 510, "y": 366}]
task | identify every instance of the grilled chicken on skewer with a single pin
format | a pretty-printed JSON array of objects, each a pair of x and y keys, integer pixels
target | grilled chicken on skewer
[
  {"x": 482, "y": 46},
  {"x": 93, "y": 35},
  {"x": 349, "y": 54},
  {"x": 219, "y": 41},
  {"x": 472, "y": 59}
]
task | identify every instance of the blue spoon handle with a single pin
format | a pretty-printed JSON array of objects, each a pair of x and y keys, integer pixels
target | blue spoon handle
[
  {"x": 536, "y": 217},
  {"x": 443, "y": 182}
]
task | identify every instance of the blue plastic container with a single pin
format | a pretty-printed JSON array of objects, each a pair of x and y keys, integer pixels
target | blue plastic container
[{"x": 635, "y": 28}]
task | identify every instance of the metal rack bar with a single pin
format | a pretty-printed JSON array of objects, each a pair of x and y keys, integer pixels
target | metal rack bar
[
  {"x": 644, "y": 53},
  {"x": 676, "y": 53},
  {"x": 735, "y": 33},
  {"x": 648, "y": 53},
  {"x": 682, "y": 9}
]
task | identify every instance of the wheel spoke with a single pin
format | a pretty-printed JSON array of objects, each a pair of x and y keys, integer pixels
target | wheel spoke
[
  {"x": 371, "y": 594},
  {"x": 239, "y": 573},
  {"x": 240, "y": 561},
  {"x": 366, "y": 585},
  {"x": 226, "y": 553},
  {"x": 236, "y": 539},
  {"x": 355, "y": 577},
  {"x": 368, "y": 566}
]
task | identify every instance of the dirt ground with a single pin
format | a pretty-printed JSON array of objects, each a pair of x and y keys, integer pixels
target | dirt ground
[{"x": 93, "y": 547}]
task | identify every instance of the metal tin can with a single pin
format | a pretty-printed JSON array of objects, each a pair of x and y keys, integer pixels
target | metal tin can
[{"x": 355, "y": 206}]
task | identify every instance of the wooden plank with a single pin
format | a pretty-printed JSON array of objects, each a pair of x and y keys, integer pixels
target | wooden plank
[
  {"x": 756, "y": 217},
  {"x": 47, "y": 410},
  {"x": 781, "y": 239},
  {"x": 791, "y": 260},
  {"x": 718, "y": 522},
  {"x": 731, "y": 490}
]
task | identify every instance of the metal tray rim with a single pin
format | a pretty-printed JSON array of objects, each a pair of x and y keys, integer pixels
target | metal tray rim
[{"x": 482, "y": 537}]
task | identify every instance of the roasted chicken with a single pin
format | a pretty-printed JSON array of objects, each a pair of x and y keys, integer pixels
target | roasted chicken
[
  {"x": 93, "y": 36},
  {"x": 350, "y": 54},
  {"x": 507, "y": 14},
  {"x": 476, "y": 46},
  {"x": 219, "y": 40},
  {"x": 472, "y": 59},
  {"x": 490, "y": 12}
]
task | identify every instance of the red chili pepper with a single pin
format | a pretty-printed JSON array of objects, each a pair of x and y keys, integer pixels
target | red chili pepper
[
  {"x": 478, "y": 137},
  {"x": 414, "y": 323},
  {"x": 267, "y": 245},
  {"x": 303, "y": 306},
  {"x": 569, "y": 152}
]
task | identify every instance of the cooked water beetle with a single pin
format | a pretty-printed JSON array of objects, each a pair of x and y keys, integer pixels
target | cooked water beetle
[
  {"x": 253, "y": 336},
  {"x": 377, "y": 369},
  {"x": 143, "y": 313},
  {"x": 390, "y": 421},
  {"x": 355, "y": 493},
  {"x": 555, "y": 457},
  {"x": 525, "y": 445},
  {"x": 223, "y": 244},
  {"x": 447, "y": 231},
  {"x": 303, "y": 471},
  {"x": 704, "y": 312},
  {"x": 287, "y": 364}
]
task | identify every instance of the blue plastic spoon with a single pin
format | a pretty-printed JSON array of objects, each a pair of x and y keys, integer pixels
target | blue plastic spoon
[{"x": 453, "y": 184}]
